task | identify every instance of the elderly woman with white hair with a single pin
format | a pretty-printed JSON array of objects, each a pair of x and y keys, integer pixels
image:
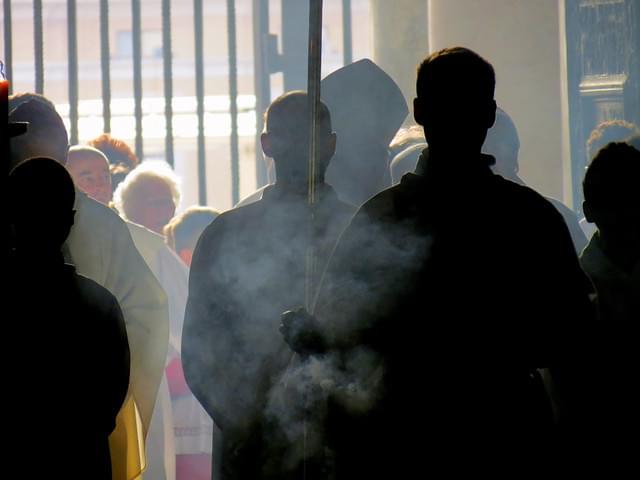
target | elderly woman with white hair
[{"x": 148, "y": 196}]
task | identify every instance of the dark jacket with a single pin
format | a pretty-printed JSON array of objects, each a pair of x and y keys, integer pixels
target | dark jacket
[
  {"x": 72, "y": 374},
  {"x": 249, "y": 267},
  {"x": 458, "y": 296}
]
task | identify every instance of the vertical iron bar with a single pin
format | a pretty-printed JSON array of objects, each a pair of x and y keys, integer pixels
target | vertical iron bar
[
  {"x": 137, "y": 73},
  {"x": 261, "y": 79},
  {"x": 105, "y": 65},
  {"x": 38, "y": 45},
  {"x": 295, "y": 33},
  {"x": 8, "y": 46},
  {"x": 168, "y": 80},
  {"x": 233, "y": 100},
  {"x": 347, "y": 35},
  {"x": 314, "y": 68},
  {"x": 72, "y": 46},
  {"x": 199, "y": 53}
]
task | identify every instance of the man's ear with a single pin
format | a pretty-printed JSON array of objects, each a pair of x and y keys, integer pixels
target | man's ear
[
  {"x": 589, "y": 214},
  {"x": 418, "y": 111},
  {"x": 332, "y": 142},
  {"x": 491, "y": 114},
  {"x": 267, "y": 146}
]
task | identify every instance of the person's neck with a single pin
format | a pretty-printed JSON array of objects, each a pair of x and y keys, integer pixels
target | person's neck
[
  {"x": 623, "y": 255},
  {"x": 298, "y": 187},
  {"x": 454, "y": 154},
  {"x": 458, "y": 162}
]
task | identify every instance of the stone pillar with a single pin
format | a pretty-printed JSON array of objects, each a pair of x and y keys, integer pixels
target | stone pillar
[
  {"x": 400, "y": 40},
  {"x": 521, "y": 38}
]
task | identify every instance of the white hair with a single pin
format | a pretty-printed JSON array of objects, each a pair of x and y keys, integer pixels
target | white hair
[
  {"x": 87, "y": 149},
  {"x": 145, "y": 171}
]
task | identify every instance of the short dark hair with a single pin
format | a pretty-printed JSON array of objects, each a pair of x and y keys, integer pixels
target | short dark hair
[
  {"x": 456, "y": 64},
  {"x": 183, "y": 230},
  {"x": 609, "y": 131},
  {"x": 613, "y": 176},
  {"x": 293, "y": 107},
  {"x": 42, "y": 181}
]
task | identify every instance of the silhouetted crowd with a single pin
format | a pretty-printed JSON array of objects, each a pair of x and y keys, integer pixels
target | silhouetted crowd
[{"x": 424, "y": 313}]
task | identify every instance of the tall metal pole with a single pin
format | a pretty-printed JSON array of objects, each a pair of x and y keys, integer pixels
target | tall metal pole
[
  {"x": 167, "y": 69},
  {"x": 233, "y": 100},
  {"x": 136, "y": 27},
  {"x": 313, "y": 95},
  {"x": 105, "y": 66},
  {"x": 38, "y": 46},
  {"x": 72, "y": 48}
]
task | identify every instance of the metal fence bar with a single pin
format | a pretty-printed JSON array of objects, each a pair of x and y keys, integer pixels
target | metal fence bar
[
  {"x": 261, "y": 78},
  {"x": 105, "y": 65},
  {"x": 233, "y": 100},
  {"x": 137, "y": 72},
  {"x": 38, "y": 45},
  {"x": 168, "y": 80},
  {"x": 8, "y": 46},
  {"x": 199, "y": 54},
  {"x": 72, "y": 47},
  {"x": 347, "y": 35}
]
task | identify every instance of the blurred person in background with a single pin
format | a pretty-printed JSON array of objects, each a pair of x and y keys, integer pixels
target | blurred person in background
[
  {"x": 184, "y": 230},
  {"x": 606, "y": 132},
  {"x": 90, "y": 171},
  {"x": 121, "y": 158},
  {"x": 194, "y": 431},
  {"x": 101, "y": 248},
  {"x": 503, "y": 144},
  {"x": 148, "y": 196}
]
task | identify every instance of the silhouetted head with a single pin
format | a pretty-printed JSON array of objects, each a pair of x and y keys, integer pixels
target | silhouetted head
[
  {"x": 46, "y": 135},
  {"x": 119, "y": 154},
  {"x": 41, "y": 198},
  {"x": 367, "y": 109},
  {"x": 607, "y": 132},
  {"x": 90, "y": 171},
  {"x": 612, "y": 193},
  {"x": 503, "y": 143},
  {"x": 286, "y": 139},
  {"x": 454, "y": 103},
  {"x": 148, "y": 196},
  {"x": 184, "y": 230}
]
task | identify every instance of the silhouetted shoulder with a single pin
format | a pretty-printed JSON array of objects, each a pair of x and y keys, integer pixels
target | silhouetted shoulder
[
  {"x": 531, "y": 204},
  {"x": 95, "y": 295},
  {"x": 383, "y": 204},
  {"x": 230, "y": 219}
]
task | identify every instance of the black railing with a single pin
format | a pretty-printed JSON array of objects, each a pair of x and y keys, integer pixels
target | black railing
[
  {"x": 38, "y": 45},
  {"x": 267, "y": 61},
  {"x": 72, "y": 48}
]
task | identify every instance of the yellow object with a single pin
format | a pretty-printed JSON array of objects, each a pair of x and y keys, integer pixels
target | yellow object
[{"x": 126, "y": 443}]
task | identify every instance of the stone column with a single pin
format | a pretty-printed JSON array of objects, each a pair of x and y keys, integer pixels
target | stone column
[
  {"x": 522, "y": 39},
  {"x": 400, "y": 40}
]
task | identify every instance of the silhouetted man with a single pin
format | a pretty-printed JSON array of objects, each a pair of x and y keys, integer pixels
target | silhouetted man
[
  {"x": 600, "y": 398},
  {"x": 100, "y": 247},
  {"x": 73, "y": 374},
  {"x": 248, "y": 267},
  {"x": 455, "y": 285},
  {"x": 367, "y": 109}
]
